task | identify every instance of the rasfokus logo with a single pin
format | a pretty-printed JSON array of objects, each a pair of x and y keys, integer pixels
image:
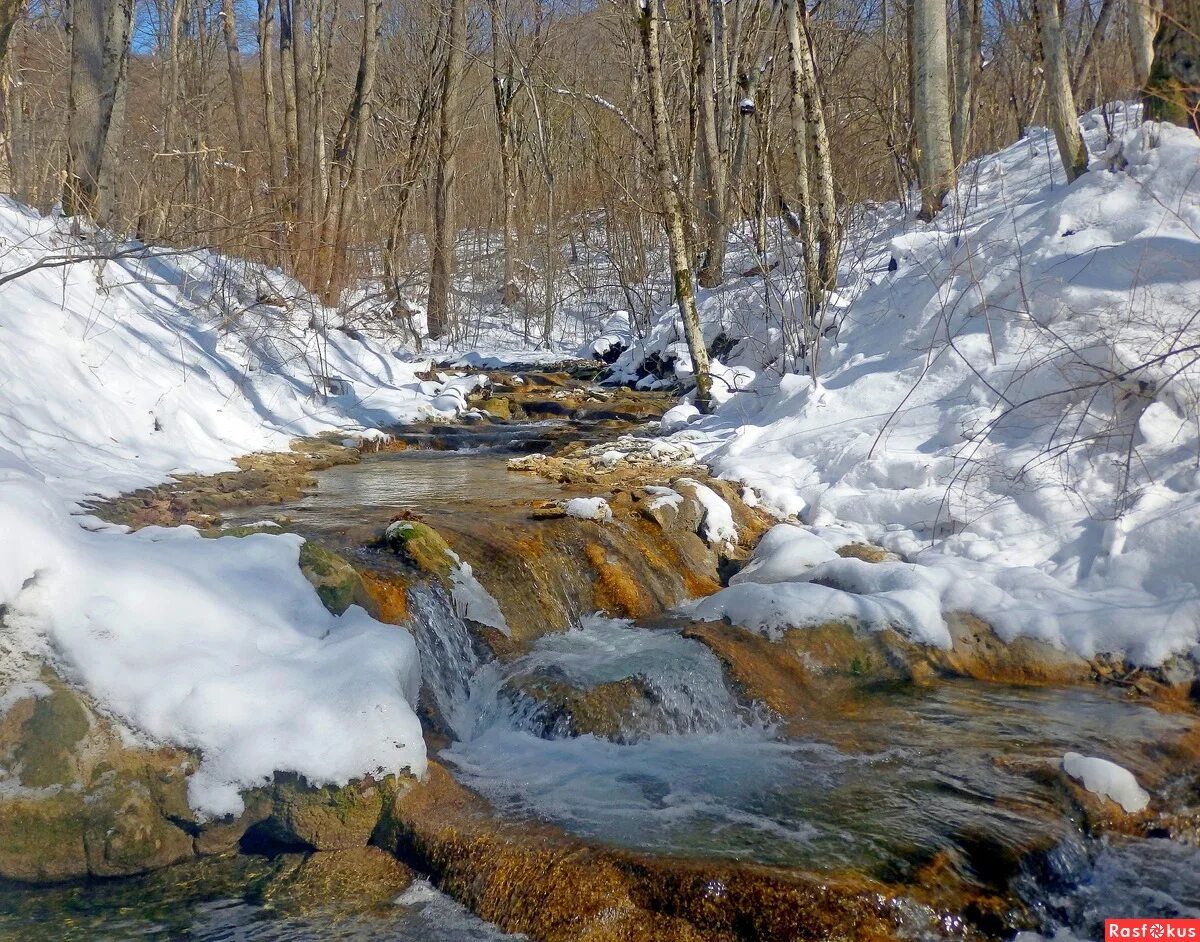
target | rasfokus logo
[{"x": 1152, "y": 929}]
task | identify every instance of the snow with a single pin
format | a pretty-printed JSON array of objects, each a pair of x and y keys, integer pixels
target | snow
[
  {"x": 1108, "y": 780},
  {"x": 1004, "y": 408},
  {"x": 220, "y": 645},
  {"x": 784, "y": 553},
  {"x": 589, "y": 508},
  {"x": 119, "y": 374},
  {"x": 717, "y": 525}
]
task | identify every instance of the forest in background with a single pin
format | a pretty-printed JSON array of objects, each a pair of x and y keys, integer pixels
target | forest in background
[{"x": 388, "y": 151}]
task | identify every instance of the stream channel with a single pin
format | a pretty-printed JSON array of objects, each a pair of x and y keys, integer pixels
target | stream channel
[{"x": 691, "y": 766}]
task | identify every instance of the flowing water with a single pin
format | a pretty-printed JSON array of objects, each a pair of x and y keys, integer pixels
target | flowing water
[{"x": 687, "y": 767}]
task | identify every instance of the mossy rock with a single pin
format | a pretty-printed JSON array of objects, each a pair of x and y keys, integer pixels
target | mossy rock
[
  {"x": 324, "y": 818},
  {"x": 421, "y": 546},
  {"x": 358, "y": 879},
  {"x": 337, "y": 582},
  {"x": 41, "y": 839},
  {"x": 47, "y": 740}
]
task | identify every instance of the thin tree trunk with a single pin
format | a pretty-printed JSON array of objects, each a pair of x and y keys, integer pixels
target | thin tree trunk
[
  {"x": 349, "y": 147},
  {"x": 668, "y": 183},
  {"x": 1095, "y": 37},
  {"x": 233, "y": 60},
  {"x": 931, "y": 104},
  {"x": 442, "y": 267},
  {"x": 967, "y": 64},
  {"x": 99, "y": 33},
  {"x": 712, "y": 155},
  {"x": 1058, "y": 88},
  {"x": 504, "y": 94}
]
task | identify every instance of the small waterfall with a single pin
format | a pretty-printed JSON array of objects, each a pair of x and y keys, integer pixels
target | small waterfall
[{"x": 449, "y": 661}]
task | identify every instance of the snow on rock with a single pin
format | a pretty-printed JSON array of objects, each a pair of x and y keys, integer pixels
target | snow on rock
[
  {"x": 717, "y": 525},
  {"x": 784, "y": 553},
  {"x": 875, "y": 595},
  {"x": 1002, "y": 405},
  {"x": 119, "y": 374},
  {"x": 663, "y": 497},
  {"x": 452, "y": 396},
  {"x": 1108, "y": 780},
  {"x": 219, "y": 645},
  {"x": 679, "y": 416},
  {"x": 589, "y": 508}
]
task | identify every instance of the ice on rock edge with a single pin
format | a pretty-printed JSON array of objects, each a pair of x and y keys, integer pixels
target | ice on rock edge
[{"x": 1108, "y": 780}]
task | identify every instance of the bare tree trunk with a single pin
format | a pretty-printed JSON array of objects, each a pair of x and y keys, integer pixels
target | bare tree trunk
[
  {"x": 819, "y": 231},
  {"x": 1172, "y": 91},
  {"x": 442, "y": 267},
  {"x": 1095, "y": 37},
  {"x": 931, "y": 104},
  {"x": 504, "y": 95},
  {"x": 713, "y": 155},
  {"x": 967, "y": 64},
  {"x": 10, "y": 12},
  {"x": 99, "y": 33},
  {"x": 1143, "y": 24},
  {"x": 1058, "y": 89},
  {"x": 668, "y": 184},
  {"x": 349, "y": 147},
  {"x": 233, "y": 59}
]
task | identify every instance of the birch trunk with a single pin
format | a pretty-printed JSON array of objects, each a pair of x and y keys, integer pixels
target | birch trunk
[
  {"x": 668, "y": 184},
  {"x": 1061, "y": 101},
  {"x": 1143, "y": 24},
  {"x": 931, "y": 104}
]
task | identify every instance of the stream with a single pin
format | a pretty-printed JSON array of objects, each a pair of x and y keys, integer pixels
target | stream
[{"x": 686, "y": 766}]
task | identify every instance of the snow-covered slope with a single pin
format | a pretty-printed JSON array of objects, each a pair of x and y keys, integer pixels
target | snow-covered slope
[
  {"x": 116, "y": 374},
  {"x": 1009, "y": 396}
]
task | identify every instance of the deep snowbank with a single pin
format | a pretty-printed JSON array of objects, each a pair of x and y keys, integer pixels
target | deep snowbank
[
  {"x": 117, "y": 374},
  {"x": 1008, "y": 396}
]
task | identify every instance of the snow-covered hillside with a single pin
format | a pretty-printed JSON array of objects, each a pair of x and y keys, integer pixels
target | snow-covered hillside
[
  {"x": 116, "y": 374},
  {"x": 1007, "y": 396}
]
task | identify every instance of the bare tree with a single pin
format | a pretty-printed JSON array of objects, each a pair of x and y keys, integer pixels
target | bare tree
[
  {"x": 667, "y": 178},
  {"x": 10, "y": 12},
  {"x": 1063, "y": 115},
  {"x": 442, "y": 260},
  {"x": 967, "y": 63},
  {"x": 1143, "y": 24},
  {"x": 99, "y": 31},
  {"x": 931, "y": 103}
]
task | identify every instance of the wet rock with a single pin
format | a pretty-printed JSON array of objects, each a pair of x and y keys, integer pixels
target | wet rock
[
  {"x": 620, "y": 710},
  {"x": 532, "y": 878},
  {"x": 420, "y": 546},
  {"x": 337, "y": 582},
  {"x": 79, "y": 802},
  {"x": 979, "y": 653},
  {"x": 357, "y": 880},
  {"x": 323, "y": 818}
]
